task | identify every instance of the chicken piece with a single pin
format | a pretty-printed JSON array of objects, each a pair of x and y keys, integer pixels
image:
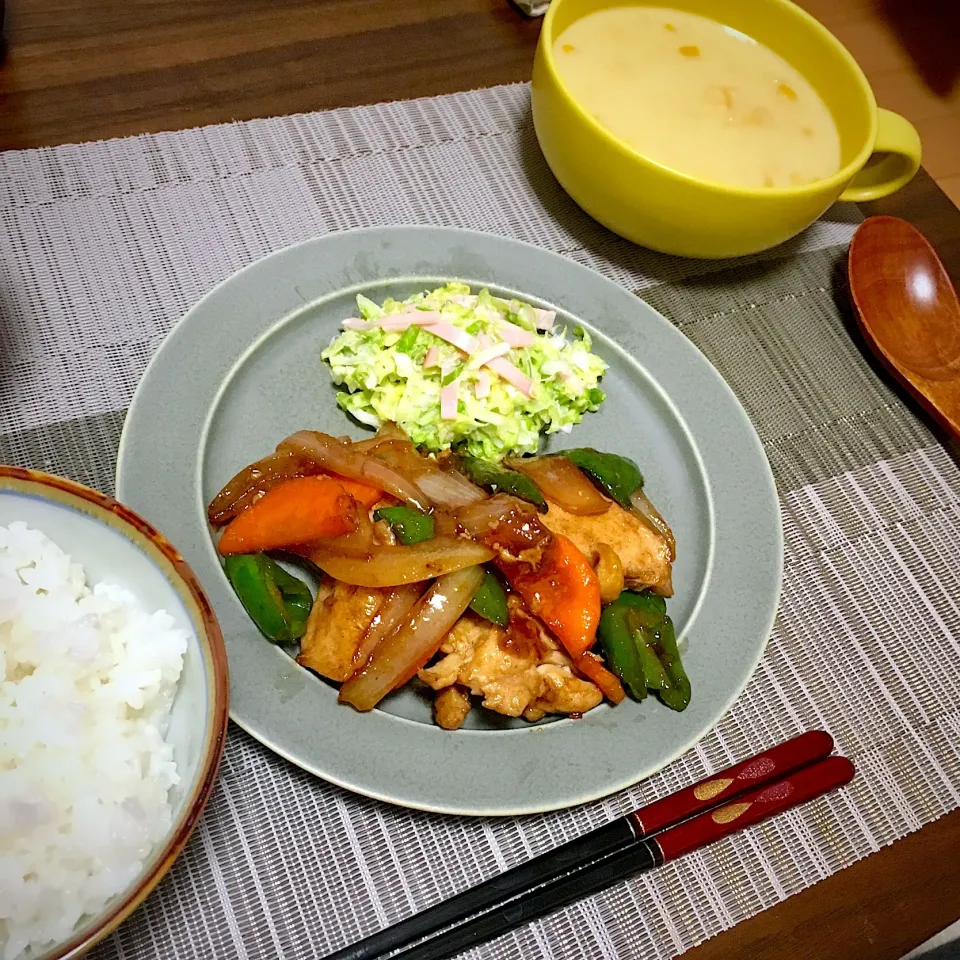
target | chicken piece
[
  {"x": 644, "y": 554},
  {"x": 512, "y": 669},
  {"x": 450, "y": 707},
  {"x": 494, "y": 664},
  {"x": 335, "y": 628},
  {"x": 505, "y": 677},
  {"x": 562, "y": 693},
  {"x": 443, "y": 673}
]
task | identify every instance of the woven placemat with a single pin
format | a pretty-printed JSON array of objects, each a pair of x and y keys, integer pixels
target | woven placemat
[{"x": 104, "y": 246}]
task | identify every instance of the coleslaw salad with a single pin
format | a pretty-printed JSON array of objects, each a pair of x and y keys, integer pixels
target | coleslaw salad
[{"x": 451, "y": 368}]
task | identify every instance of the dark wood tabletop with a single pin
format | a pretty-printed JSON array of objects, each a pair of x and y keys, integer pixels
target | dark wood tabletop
[{"x": 87, "y": 69}]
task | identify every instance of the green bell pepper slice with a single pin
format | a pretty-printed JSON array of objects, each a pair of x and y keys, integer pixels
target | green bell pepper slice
[
  {"x": 499, "y": 479},
  {"x": 647, "y": 609},
  {"x": 409, "y": 525},
  {"x": 490, "y": 601},
  {"x": 676, "y": 695},
  {"x": 618, "y": 477},
  {"x": 277, "y": 602},
  {"x": 639, "y": 643},
  {"x": 620, "y": 650}
]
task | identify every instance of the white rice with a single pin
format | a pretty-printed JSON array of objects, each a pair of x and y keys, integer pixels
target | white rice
[{"x": 87, "y": 678}]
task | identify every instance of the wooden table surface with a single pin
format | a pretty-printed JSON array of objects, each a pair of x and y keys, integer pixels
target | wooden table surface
[{"x": 88, "y": 69}]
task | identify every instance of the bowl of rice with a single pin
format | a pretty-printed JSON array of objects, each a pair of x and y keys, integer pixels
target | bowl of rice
[{"x": 113, "y": 712}]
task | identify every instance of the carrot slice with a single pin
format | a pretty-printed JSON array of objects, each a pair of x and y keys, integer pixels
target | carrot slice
[
  {"x": 361, "y": 492},
  {"x": 294, "y": 512},
  {"x": 609, "y": 683},
  {"x": 564, "y": 592}
]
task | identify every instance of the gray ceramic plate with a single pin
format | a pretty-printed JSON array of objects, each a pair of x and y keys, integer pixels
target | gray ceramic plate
[{"x": 242, "y": 370}]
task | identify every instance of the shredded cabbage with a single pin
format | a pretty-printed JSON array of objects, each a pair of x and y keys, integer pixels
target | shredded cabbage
[{"x": 385, "y": 380}]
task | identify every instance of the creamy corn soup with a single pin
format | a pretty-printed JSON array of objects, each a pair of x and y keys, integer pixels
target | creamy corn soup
[{"x": 698, "y": 96}]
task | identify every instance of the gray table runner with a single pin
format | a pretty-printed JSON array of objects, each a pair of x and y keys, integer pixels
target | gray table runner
[{"x": 104, "y": 246}]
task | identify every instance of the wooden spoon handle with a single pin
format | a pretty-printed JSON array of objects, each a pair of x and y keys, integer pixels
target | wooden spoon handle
[
  {"x": 907, "y": 308},
  {"x": 940, "y": 398}
]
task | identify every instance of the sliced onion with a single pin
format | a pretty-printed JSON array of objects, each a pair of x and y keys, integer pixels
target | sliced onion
[
  {"x": 507, "y": 525},
  {"x": 444, "y": 488},
  {"x": 392, "y": 566},
  {"x": 390, "y": 431},
  {"x": 397, "y": 658},
  {"x": 651, "y": 517},
  {"x": 445, "y": 523},
  {"x": 481, "y": 519},
  {"x": 450, "y": 489},
  {"x": 388, "y": 618},
  {"x": 361, "y": 543},
  {"x": 349, "y": 462},
  {"x": 562, "y": 482},
  {"x": 368, "y": 445},
  {"x": 401, "y": 455},
  {"x": 387, "y": 431},
  {"x": 252, "y": 482}
]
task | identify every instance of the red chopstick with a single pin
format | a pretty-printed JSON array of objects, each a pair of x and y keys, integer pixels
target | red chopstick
[
  {"x": 648, "y": 854},
  {"x": 617, "y": 850},
  {"x": 721, "y": 787}
]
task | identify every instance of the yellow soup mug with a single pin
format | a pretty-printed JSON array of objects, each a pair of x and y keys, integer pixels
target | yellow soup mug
[{"x": 661, "y": 208}]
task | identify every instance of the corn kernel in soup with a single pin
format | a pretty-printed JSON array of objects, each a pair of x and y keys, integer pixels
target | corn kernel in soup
[{"x": 699, "y": 97}]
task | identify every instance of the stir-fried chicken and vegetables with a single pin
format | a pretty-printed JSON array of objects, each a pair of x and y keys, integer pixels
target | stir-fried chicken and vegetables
[{"x": 531, "y": 585}]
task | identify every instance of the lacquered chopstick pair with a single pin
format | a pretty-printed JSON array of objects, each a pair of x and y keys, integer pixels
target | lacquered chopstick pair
[{"x": 767, "y": 784}]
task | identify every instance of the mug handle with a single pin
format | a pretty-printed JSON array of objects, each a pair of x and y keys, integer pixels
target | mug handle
[{"x": 894, "y": 161}]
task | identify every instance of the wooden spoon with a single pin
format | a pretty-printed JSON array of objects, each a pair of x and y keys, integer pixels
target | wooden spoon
[{"x": 909, "y": 314}]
